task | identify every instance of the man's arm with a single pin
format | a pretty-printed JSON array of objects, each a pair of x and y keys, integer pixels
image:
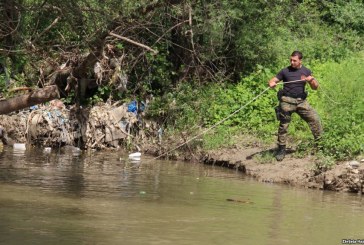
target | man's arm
[
  {"x": 313, "y": 82},
  {"x": 273, "y": 82}
]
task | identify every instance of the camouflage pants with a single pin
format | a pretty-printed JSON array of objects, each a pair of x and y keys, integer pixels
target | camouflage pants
[{"x": 290, "y": 105}]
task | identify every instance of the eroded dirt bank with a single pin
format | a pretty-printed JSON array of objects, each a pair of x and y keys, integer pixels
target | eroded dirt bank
[{"x": 344, "y": 176}]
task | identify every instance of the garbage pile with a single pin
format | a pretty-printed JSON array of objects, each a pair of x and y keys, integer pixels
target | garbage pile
[{"x": 54, "y": 125}]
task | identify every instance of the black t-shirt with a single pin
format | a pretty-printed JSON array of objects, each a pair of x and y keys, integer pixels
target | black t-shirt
[{"x": 291, "y": 74}]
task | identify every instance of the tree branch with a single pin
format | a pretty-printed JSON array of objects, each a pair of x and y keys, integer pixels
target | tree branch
[
  {"x": 48, "y": 28},
  {"x": 36, "y": 97},
  {"x": 134, "y": 42}
]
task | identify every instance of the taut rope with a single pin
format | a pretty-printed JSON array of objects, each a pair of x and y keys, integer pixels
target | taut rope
[{"x": 223, "y": 120}]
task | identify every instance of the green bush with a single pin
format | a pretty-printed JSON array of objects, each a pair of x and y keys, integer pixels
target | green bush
[
  {"x": 255, "y": 109},
  {"x": 341, "y": 105}
]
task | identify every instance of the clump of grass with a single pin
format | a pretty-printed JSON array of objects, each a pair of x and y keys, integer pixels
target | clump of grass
[
  {"x": 265, "y": 157},
  {"x": 323, "y": 162},
  {"x": 220, "y": 137}
]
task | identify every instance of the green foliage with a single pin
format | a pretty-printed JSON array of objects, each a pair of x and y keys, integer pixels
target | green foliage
[
  {"x": 266, "y": 32},
  {"x": 2, "y": 83},
  {"x": 346, "y": 14},
  {"x": 324, "y": 162},
  {"x": 102, "y": 94},
  {"x": 70, "y": 99},
  {"x": 158, "y": 73},
  {"x": 224, "y": 38},
  {"x": 341, "y": 105},
  {"x": 180, "y": 110},
  {"x": 220, "y": 137},
  {"x": 194, "y": 109},
  {"x": 254, "y": 117}
]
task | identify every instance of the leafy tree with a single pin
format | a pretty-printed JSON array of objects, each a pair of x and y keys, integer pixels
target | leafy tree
[{"x": 197, "y": 41}]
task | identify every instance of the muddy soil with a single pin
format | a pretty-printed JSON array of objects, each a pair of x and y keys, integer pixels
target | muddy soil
[{"x": 303, "y": 172}]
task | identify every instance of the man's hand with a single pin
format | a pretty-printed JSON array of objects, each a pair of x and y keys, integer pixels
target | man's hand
[
  {"x": 273, "y": 82},
  {"x": 312, "y": 81},
  {"x": 309, "y": 78}
]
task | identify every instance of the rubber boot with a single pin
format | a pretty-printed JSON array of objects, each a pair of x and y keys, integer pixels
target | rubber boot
[{"x": 281, "y": 153}]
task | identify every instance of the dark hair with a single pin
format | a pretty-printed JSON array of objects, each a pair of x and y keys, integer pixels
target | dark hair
[{"x": 298, "y": 54}]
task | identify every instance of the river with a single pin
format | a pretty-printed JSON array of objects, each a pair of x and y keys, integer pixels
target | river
[{"x": 104, "y": 198}]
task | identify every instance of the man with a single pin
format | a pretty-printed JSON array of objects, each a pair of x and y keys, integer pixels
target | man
[{"x": 292, "y": 98}]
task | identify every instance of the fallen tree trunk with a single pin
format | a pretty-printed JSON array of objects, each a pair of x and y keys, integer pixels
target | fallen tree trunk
[{"x": 33, "y": 98}]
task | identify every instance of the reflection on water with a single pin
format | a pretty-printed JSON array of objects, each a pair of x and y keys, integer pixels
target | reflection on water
[{"x": 104, "y": 198}]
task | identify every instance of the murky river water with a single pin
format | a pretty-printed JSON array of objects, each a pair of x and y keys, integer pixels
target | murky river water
[{"x": 68, "y": 198}]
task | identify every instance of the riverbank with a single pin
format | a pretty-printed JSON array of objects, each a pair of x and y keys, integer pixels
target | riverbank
[
  {"x": 257, "y": 161},
  {"x": 302, "y": 172},
  {"x": 251, "y": 158}
]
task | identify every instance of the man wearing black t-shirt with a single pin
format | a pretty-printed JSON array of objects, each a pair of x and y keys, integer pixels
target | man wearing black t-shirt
[{"x": 292, "y": 98}]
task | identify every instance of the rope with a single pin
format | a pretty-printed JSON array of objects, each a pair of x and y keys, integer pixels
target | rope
[
  {"x": 328, "y": 97},
  {"x": 321, "y": 90},
  {"x": 223, "y": 120},
  {"x": 215, "y": 125}
]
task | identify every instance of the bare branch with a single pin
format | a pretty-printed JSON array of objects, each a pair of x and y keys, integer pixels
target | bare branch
[
  {"x": 134, "y": 42},
  {"x": 48, "y": 28},
  {"x": 170, "y": 29},
  {"x": 7, "y": 51},
  {"x": 12, "y": 30}
]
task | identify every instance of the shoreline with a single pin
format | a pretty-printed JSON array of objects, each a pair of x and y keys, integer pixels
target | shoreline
[
  {"x": 300, "y": 172},
  {"x": 250, "y": 158},
  {"x": 297, "y": 172}
]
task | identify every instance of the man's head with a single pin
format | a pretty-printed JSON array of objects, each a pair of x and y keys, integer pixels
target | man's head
[{"x": 296, "y": 59}]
